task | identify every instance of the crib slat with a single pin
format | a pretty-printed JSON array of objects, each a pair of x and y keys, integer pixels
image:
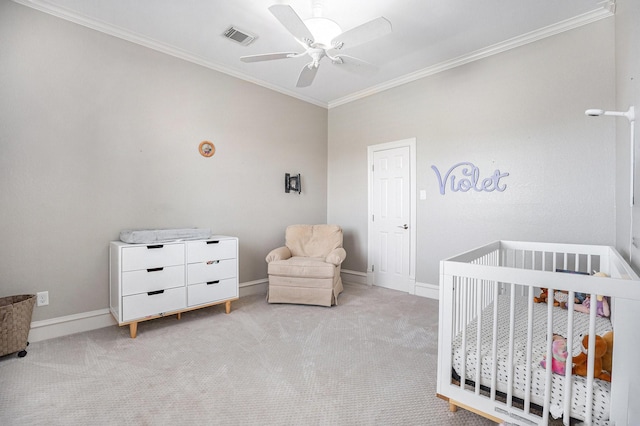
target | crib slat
[
  {"x": 494, "y": 346},
  {"x": 478, "y": 340},
  {"x": 527, "y": 396},
  {"x": 548, "y": 371},
  {"x": 510, "y": 369},
  {"x": 463, "y": 368},
  {"x": 568, "y": 367},
  {"x": 591, "y": 350}
]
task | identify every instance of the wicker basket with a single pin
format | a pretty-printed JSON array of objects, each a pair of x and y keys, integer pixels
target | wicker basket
[{"x": 15, "y": 323}]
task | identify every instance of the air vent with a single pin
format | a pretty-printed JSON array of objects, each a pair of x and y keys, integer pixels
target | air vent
[{"x": 239, "y": 36}]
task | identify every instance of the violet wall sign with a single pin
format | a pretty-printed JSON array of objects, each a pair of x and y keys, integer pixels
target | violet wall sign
[{"x": 469, "y": 178}]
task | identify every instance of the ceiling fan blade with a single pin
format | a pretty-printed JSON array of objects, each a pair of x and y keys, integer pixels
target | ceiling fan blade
[
  {"x": 362, "y": 33},
  {"x": 292, "y": 22},
  {"x": 267, "y": 56},
  {"x": 349, "y": 63},
  {"x": 307, "y": 75}
]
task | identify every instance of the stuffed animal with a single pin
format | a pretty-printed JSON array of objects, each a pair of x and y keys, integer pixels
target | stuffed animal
[
  {"x": 559, "y": 355},
  {"x": 561, "y": 298},
  {"x": 544, "y": 295},
  {"x": 602, "y": 305},
  {"x": 580, "y": 361},
  {"x": 580, "y": 297},
  {"x": 607, "y": 358}
]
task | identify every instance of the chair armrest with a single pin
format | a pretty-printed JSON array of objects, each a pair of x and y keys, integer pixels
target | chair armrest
[
  {"x": 281, "y": 253},
  {"x": 336, "y": 256}
]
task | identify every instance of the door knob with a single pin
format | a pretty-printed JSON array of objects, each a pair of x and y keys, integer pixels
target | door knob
[{"x": 404, "y": 226}]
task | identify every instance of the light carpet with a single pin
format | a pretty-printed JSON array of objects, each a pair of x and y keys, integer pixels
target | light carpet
[{"x": 371, "y": 360}]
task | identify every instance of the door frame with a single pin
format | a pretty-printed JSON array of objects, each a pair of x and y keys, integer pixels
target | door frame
[{"x": 411, "y": 143}]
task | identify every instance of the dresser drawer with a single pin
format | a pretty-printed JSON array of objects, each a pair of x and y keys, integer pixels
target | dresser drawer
[
  {"x": 206, "y": 293},
  {"x": 145, "y": 304},
  {"x": 144, "y": 280},
  {"x": 152, "y": 256},
  {"x": 202, "y": 251},
  {"x": 211, "y": 271}
]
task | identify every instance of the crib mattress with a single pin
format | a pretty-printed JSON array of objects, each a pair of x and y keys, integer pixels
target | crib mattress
[{"x": 601, "y": 389}]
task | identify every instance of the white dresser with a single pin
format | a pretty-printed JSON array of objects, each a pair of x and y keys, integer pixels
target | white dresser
[{"x": 148, "y": 281}]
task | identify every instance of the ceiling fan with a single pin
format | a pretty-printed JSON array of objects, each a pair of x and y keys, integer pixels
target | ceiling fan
[{"x": 318, "y": 36}]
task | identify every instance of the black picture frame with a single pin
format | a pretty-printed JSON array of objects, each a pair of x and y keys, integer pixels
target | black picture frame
[{"x": 292, "y": 183}]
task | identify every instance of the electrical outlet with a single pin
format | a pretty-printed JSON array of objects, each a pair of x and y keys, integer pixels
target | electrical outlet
[{"x": 42, "y": 298}]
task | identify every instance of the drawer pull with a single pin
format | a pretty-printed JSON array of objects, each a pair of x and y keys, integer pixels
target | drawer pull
[
  {"x": 213, "y": 242},
  {"x": 156, "y": 246},
  {"x": 213, "y": 262},
  {"x": 151, "y": 293},
  {"x": 154, "y": 269},
  {"x": 213, "y": 282}
]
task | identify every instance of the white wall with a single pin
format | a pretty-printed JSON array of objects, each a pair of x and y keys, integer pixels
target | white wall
[
  {"x": 98, "y": 135},
  {"x": 521, "y": 112}
]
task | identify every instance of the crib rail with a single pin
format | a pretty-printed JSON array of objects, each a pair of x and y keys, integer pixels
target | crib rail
[{"x": 509, "y": 274}]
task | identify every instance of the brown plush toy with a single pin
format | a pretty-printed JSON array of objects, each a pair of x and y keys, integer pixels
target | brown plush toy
[
  {"x": 580, "y": 361},
  {"x": 544, "y": 295},
  {"x": 607, "y": 358}
]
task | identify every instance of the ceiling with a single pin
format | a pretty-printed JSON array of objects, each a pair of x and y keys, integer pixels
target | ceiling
[{"x": 428, "y": 35}]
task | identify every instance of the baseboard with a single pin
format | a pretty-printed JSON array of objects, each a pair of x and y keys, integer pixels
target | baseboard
[
  {"x": 70, "y": 324},
  {"x": 353, "y": 277},
  {"x": 431, "y": 291},
  {"x": 87, "y": 321},
  {"x": 250, "y": 288}
]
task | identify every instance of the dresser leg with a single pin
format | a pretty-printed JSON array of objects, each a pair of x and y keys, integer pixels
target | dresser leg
[
  {"x": 133, "y": 329},
  {"x": 227, "y": 306},
  {"x": 179, "y": 315}
]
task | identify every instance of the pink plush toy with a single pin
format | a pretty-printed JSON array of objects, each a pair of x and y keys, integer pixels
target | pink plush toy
[{"x": 559, "y": 355}]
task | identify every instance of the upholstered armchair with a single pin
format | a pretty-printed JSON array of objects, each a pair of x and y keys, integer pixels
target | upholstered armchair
[{"x": 307, "y": 269}]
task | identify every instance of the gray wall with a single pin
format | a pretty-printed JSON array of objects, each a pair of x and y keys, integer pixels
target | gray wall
[
  {"x": 627, "y": 93},
  {"x": 99, "y": 135},
  {"x": 522, "y": 112}
]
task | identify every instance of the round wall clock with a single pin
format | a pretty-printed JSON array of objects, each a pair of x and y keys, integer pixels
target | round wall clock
[{"x": 207, "y": 149}]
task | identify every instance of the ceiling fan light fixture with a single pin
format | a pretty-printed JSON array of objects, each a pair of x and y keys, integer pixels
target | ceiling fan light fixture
[{"x": 324, "y": 30}]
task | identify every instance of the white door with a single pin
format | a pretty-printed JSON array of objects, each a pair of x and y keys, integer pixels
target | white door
[{"x": 391, "y": 219}]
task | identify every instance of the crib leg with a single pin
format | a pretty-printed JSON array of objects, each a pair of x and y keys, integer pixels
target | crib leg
[{"x": 453, "y": 407}]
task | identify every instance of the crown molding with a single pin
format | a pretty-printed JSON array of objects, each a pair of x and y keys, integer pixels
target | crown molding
[
  {"x": 113, "y": 30},
  {"x": 533, "y": 36},
  {"x": 607, "y": 10}
]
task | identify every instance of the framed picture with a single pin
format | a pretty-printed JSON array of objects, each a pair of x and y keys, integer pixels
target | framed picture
[
  {"x": 207, "y": 149},
  {"x": 292, "y": 183}
]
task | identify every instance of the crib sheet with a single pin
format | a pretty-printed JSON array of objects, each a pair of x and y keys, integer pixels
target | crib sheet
[{"x": 601, "y": 389}]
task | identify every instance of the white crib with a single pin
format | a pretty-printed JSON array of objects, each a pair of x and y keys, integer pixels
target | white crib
[{"x": 492, "y": 336}]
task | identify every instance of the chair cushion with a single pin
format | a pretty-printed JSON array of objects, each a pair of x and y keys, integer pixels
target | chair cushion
[
  {"x": 302, "y": 267},
  {"x": 313, "y": 240}
]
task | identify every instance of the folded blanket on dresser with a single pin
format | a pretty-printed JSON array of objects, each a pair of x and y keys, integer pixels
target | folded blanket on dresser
[{"x": 147, "y": 236}]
